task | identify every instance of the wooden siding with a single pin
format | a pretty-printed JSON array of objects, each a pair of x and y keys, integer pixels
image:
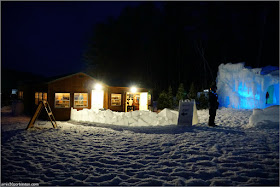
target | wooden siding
[
  {"x": 106, "y": 98},
  {"x": 29, "y": 98},
  {"x": 75, "y": 83},
  {"x": 78, "y": 83}
]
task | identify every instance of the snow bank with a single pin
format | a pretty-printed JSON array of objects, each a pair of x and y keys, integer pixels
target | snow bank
[
  {"x": 6, "y": 108},
  {"x": 245, "y": 88},
  {"x": 135, "y": 118},
  {"x": 265, "y": 118}
]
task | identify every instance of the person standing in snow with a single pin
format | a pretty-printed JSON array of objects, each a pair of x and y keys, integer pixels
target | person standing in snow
[{"x": 213, "y": 105}]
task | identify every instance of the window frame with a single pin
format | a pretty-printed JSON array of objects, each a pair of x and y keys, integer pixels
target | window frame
[
  {"x": 55, "y": 106},
  {"x": 74, "y": 106}
]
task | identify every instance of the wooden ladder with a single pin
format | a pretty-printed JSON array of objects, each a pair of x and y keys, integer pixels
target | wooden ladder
[{"x": 38, "y": 111}]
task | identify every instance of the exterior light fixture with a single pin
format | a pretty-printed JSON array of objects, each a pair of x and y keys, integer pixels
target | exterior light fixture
[
  {"x": 133, "y": 89},
  {"x": 98, "y": 86}
]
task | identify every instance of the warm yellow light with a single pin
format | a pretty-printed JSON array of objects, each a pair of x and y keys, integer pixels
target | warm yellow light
[
  {"x": 133, "y": 89},
  {"x": 98, "y": 86}
]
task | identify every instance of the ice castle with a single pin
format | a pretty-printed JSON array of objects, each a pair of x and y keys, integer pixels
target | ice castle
[{"x": 246, "y": 88}]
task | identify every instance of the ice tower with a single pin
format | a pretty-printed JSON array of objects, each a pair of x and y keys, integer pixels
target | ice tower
[{"x": 245, "y": 88}]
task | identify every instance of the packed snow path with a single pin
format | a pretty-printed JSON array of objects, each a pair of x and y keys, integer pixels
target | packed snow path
[{"x": 99, "y": 154}]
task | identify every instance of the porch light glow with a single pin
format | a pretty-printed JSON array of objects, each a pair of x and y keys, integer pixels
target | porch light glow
[
  {"x": 133, "y": 89},
  {"x": 98, "y": 86}
]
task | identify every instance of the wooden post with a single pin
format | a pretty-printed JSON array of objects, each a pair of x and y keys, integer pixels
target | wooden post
[{"x": 35, "y": 116}]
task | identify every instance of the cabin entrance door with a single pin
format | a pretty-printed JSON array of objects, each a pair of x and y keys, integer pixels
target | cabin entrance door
[
  {"x": 136, "y": 101},
  {"x": 132, "y": 101}
]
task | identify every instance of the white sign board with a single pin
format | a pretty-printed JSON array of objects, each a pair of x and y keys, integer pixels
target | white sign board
[{"x": 187, "y": 113}]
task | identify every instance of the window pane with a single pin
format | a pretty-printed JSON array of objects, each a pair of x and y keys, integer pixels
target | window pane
[
  {"x": 85, "y": 96},
  {"x": 58, "y": 96},
  {"x": 36, "y": 98},
  {"x": 14, "y": 91},
  {"x": 62, "y": 100},
  {"x": 66, "y": 97},
  {"x": 20, "y": 95},
  {"x": 116, "y": 99},
  {"x": 62, "y": 104},
  {"x": 45, "y": 96},
  {"x": 149, "y": 99},
  {"x": 76, "y": 96},
  {"x": 40, "y": 96},
  {"x": 80, "y": 100}
]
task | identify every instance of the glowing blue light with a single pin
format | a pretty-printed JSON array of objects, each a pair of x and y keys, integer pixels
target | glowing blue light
[
  {"x": 247, "y": 98},
  {"x": 257, "y": 96}
]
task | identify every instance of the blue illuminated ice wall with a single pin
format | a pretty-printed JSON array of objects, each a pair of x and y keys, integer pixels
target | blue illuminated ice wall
[{"x": 242, "y": 87}]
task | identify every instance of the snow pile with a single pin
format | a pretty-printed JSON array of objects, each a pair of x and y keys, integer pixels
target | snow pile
[
  {"x": 6, "y": 109},
  {"x": 265, "y": 118},
  {"x": 245, "y": 88},
  {"x": 135, "y": 118}
]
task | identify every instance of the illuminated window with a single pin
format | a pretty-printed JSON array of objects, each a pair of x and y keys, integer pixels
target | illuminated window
[
  {"x": 149, "y": 99},
  {"x": 80, "y": 100},
  {"x": 14, "y": 91},
  {"x": 45, "y": 96},
  {"x": 20, "y": 94},
  {"x": 62, "y": 100},
  {"x": 36, "y": 98},
  {"x": 40, "y": 96},
  {"x": 116, "y": 99}
]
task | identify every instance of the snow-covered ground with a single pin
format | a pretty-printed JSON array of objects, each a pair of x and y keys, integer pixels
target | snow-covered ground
[{"x": 83, "y": 153}]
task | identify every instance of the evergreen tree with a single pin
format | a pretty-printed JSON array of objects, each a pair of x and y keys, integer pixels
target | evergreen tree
[
  {"x": 170, "y": 97},
  {"x": 203, "y": 102},
  {"x": 180, "y": 93},
  {"x": 192, "y": 92},
  {"x": 163, "y": 101}
]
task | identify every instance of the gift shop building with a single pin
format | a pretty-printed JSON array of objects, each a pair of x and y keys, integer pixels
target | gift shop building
[{"x": 81, "y": 91}]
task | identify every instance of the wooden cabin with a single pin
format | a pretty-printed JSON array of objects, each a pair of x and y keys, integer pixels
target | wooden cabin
[{"x": 81, "y": 91}]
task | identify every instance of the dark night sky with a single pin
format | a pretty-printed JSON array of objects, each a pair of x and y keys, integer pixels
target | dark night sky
[{"x": 49, "y": 38}]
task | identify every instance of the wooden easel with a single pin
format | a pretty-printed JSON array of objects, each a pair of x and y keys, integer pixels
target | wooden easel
[{"x": 38, "y": 111}]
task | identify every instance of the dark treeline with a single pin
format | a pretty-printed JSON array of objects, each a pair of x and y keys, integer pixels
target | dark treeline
[{"x": 164, "y": 44}]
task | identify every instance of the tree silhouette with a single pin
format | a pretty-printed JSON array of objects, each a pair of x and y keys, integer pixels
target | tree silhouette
[{"x": 183, "y": 42}]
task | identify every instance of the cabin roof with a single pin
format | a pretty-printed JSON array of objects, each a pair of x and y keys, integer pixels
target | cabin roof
[
  {"x": 65, "y": 76},
  {"x": 113, "y": 83}
]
